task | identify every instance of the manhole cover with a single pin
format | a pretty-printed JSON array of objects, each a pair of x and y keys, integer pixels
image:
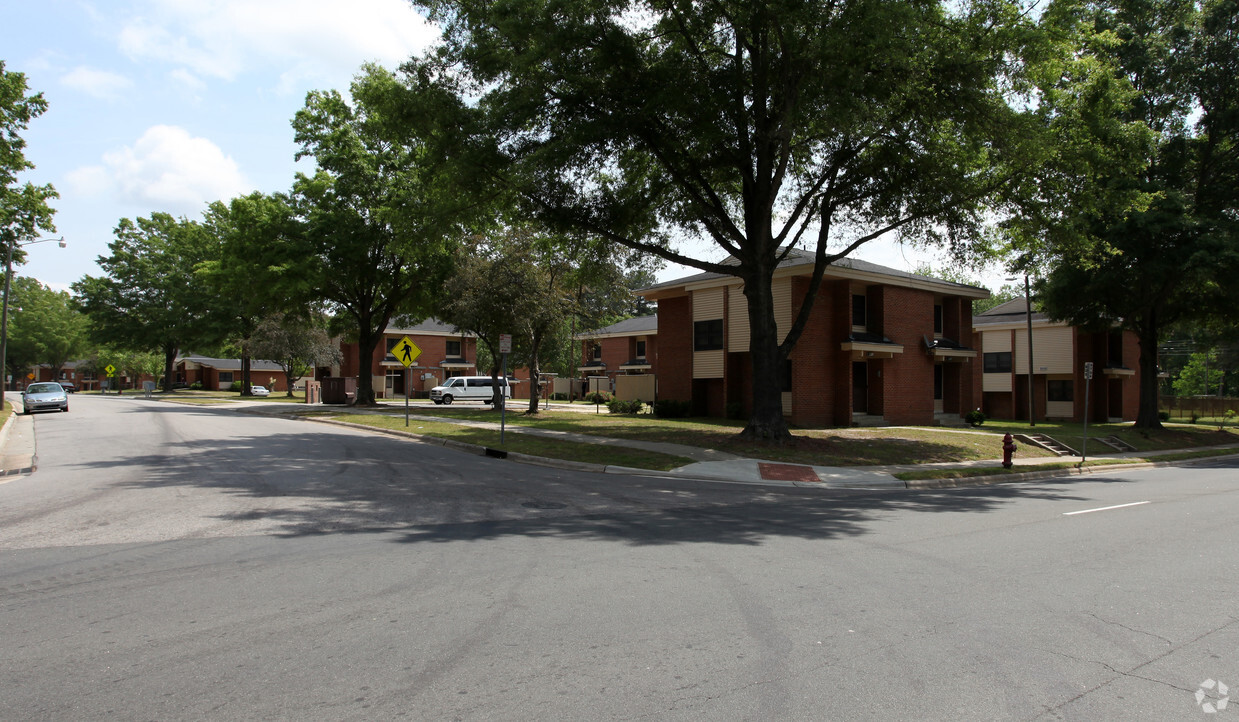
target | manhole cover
[{"x": 543, "y": 505}]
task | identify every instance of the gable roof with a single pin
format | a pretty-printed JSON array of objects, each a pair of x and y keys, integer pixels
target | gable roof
[
  {"x": 1014, "y": 311},
  {"x": 230, "y": 364},
  {"x": 636, "y": 326},
  {"x": 799, "y": 262},
  {"x": 428, "y": 327}
]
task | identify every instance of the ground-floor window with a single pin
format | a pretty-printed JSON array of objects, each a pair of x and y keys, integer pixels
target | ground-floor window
[{"x": 1060, "y": 390}]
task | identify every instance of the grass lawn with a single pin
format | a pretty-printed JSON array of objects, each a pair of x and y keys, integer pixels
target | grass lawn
[
  {"x": 821, "y": 447},
  {"x": 1172, "y": 436},
  {"x": 610, "y": 455}
]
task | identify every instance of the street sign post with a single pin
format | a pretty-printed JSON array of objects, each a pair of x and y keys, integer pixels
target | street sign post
[
  {"x": 1088, "y": 376},
  {"x": 505, "y": 348},
  {"x": 111, "y": 372},
  {"x": 406, "y": 352}
]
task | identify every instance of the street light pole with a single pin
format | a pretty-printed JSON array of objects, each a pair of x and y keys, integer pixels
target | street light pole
[
  {"x": 1032, "y": 414},
  {"x": 4, "y": 314}
]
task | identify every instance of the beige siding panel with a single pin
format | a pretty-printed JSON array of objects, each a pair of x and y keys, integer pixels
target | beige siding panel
[
  {"x": 1057, "y": 409},
  {"x": 708, "y": 364},
  {"x": 737, "y": 320},
  {"x": 787, "y": 403},
  {"x": 1052, "y": 350},
  {"x": 782, "y": 292},
  {"x": 637, "y": 387},
  {"x": 995, "y": 382},
  {"x": 995, "y": 341},
  {"x": 708, "y": 304}
]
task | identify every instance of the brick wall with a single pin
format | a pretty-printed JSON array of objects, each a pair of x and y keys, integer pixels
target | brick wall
[
  {"x": 908, "y": 379},
  {"x": 675, "y": 348}
]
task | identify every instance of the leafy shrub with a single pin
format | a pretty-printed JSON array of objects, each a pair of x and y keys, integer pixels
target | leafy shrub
[
  {"x": 195, "y": 386},
  {"x": 598, "y": 397},
  {"x": 672, "y": 409},
  {"x": 1163, "y": 416},
  {"x": 735, "y": 410},
  {"x": 625, "y": 407},
  {"x": 975, "y": 417},
  {"x": 1230, "y": 416},
  {"x": 236, "y": 386},
  {"x": 559, "y": 396}
]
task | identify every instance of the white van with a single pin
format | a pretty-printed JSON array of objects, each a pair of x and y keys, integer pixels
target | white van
[{"x": 468, "y": 388}]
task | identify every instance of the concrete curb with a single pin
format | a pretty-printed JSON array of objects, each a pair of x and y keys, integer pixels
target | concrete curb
[{"x": 1051, "y": 473}]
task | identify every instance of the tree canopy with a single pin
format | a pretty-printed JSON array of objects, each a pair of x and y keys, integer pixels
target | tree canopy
[
  {"x": 1135, "y": 217},
  {"x": 758, "y": 126}
]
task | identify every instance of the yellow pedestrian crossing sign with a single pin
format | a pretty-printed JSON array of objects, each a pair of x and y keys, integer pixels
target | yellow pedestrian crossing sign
[
  {"x": 406, "y": 352},
  {"x": 110, "y": 369}
]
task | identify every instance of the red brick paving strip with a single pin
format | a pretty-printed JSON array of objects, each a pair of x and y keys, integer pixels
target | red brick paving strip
[{"x": 787, "y": 472}]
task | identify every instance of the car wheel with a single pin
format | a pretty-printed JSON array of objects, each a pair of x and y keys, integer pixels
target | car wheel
[
  {"x": 66, "y": 409},
  {"x": 447, "y": 398},
  {"x": 438, "y": 402}
]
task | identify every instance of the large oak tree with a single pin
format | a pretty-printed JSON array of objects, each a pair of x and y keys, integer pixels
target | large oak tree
[{"x": 756, "y": 125}]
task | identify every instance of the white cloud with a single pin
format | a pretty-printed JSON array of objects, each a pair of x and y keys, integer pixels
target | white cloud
[
  {"x": 99, "y": 83},
  {"x": 311, "y": 41},
  {"x": 167, "y": 169}
]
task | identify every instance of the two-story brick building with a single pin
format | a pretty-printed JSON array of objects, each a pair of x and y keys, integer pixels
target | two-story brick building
[
  {"x": 445, "y": 352},
  {"x": 1059, "y": 354},
  {"x": 881, "y": 346},
  {"x": 622, "y": 357}
]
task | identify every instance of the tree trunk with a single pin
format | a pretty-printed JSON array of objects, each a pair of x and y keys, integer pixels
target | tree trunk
[
  {"x": 169, "y": 366},
  {"x": 366, "y": 343},
  {"x": 497, "y": 397},
  {"x": 1146, "y": 412},
  {"x": 535, "y": 386},
  {"x": 766, "y": 422},
  {"x": 245, "y": 368}
]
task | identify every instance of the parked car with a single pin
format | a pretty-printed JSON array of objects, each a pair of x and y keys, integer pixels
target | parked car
[
  {"x": 468, "y": 388},
  {"x": 44, "y": 396},
  {"x": 257, "y": 390},
  {"x": 69, "y": 386}
]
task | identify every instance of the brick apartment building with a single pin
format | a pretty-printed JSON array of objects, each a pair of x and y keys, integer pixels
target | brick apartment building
[
  {"x": 445, "y": 352},
  {"x": 881, "y": 346},
  {"x": 621, "y": 358},
  {"x": 1059, "y": 354}
]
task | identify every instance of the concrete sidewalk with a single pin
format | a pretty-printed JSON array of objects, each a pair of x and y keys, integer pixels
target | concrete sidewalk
[{"x": 17, "y": 450}]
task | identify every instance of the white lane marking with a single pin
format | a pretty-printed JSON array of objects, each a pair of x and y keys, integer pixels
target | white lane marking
[{"x": 1104, "y": 508}]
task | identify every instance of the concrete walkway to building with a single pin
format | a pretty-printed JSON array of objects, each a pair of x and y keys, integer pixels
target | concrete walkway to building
[{"x": 17, "y": 449}]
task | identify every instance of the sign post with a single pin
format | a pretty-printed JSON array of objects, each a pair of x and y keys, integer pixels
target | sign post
[
  {"x": 505, "y": 348},
  {"x": 1088, "y": 376},
  {"x": 111, "y": 372},
  {"x": 406, "y": 352}
]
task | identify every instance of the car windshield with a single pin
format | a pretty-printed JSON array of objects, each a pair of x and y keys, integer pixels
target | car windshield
[{"x": 42, "y": 388}]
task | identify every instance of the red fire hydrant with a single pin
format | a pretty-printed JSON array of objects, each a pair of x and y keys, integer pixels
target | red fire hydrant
[{"x": 1008, "y": 450}]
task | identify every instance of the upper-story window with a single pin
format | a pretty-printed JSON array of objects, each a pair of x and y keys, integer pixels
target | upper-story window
[
  {"x": 595, "y": 352},
  {"x": 1115, "y": 348},
  {"x": 997, "y": 362},
  {"x": 708, "y": 335},
  {"x": 937, "y": 319},
  {"x": 859, "y": 315},
  {"x": 640, "y": 348},
  {"x": 453, "y": 349}
]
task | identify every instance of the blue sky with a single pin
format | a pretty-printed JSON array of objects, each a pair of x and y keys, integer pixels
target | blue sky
[{"x": 168, "y": 105}]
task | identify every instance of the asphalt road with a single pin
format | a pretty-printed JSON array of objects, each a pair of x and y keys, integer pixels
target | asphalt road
[{"x": 173, "y": 562}]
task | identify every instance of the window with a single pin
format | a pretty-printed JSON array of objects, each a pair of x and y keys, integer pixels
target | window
[
  {"x": 225, "y": 377},
  {"x": 391, "y": 342},
  {"x": 998, "y": 363},
  {"x": 1059, "y": 390},
  {"x": 858, "y": 311},
  {"x": 595, "y": 352},
  {"x": 453, "y": 349},
  {"x": 708, "y": 335},
  {"x": 641, "y": 349},
  {"x": 937, "y": 318},
  {"x": 1114, "y": 346}
]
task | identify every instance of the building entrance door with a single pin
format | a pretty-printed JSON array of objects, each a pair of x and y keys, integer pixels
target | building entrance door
[{"x": 860, "y": 387}]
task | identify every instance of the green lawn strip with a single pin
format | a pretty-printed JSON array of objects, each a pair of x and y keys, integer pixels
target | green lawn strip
[
  {"x": 1198, "y": 454},
  {"x": 1171, "y": 436},
  {"x": 196, "y": 401},
  {"x": 971, "y": 471},
  {"x": 516, "y": 442},
  {"x": 819, "y": 447}
]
